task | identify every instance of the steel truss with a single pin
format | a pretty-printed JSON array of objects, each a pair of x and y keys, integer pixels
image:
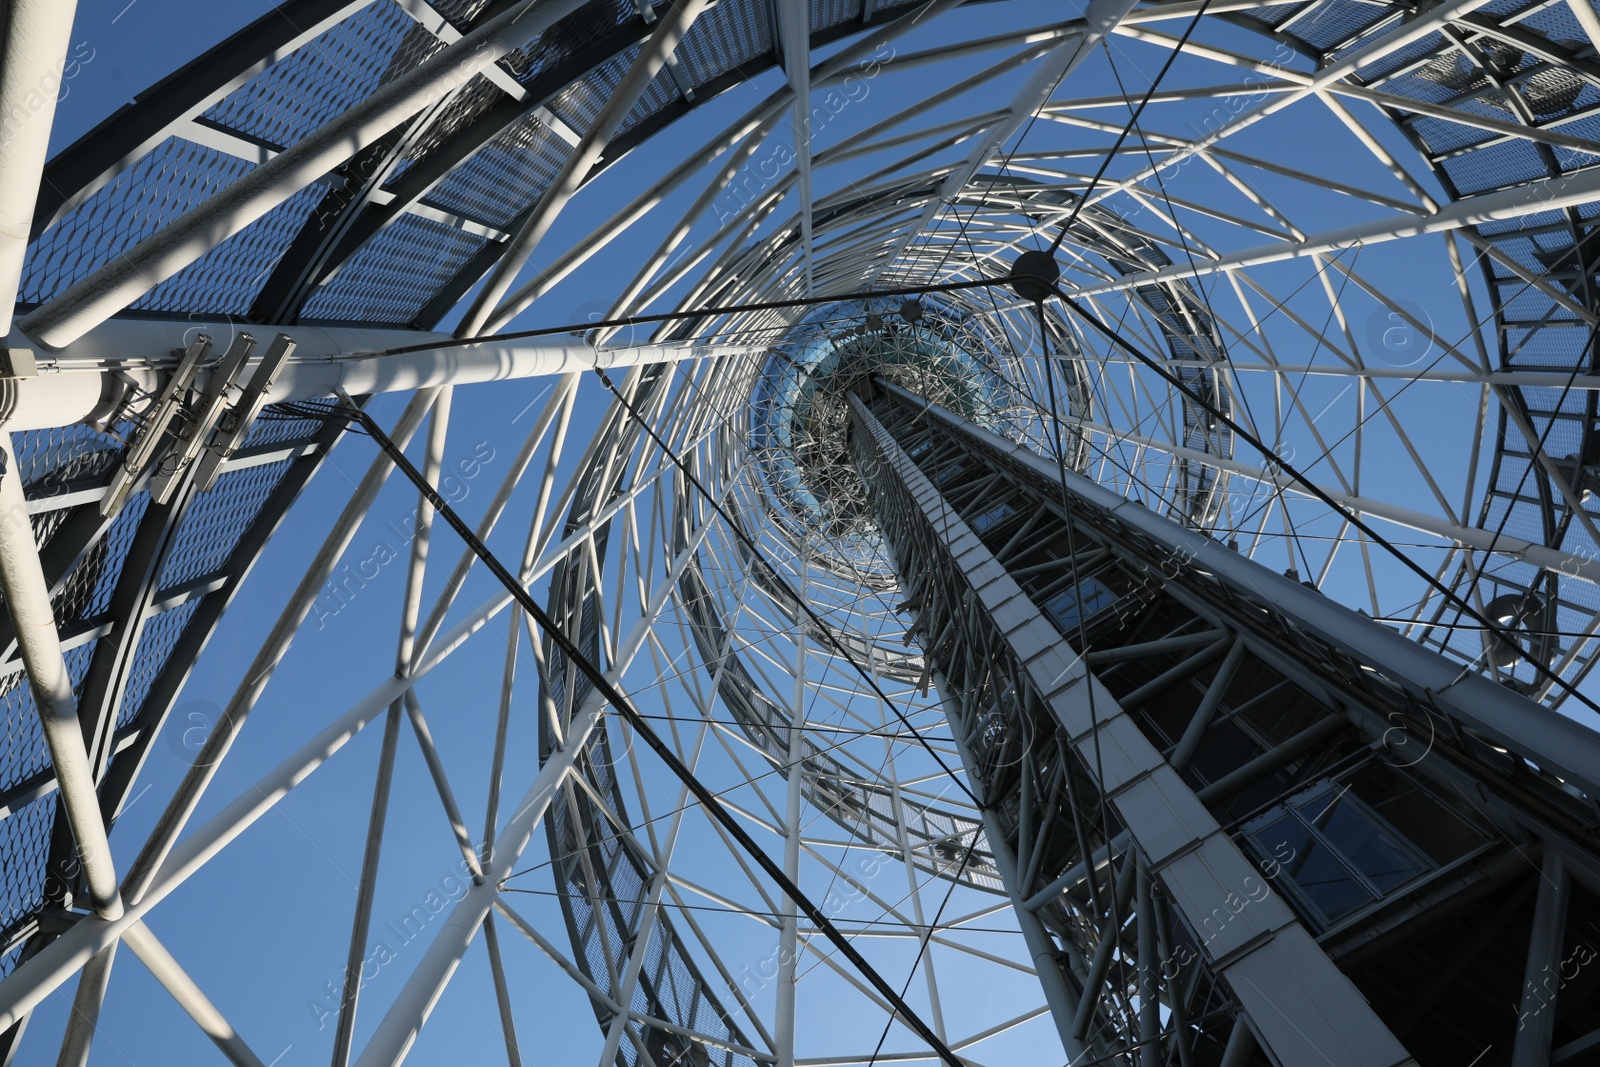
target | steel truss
[
  {"x": 1147, "y": 795},
  {"x": 317, "y": 221}
]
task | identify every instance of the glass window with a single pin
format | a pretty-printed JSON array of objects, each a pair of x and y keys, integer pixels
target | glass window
[
  {"x": 1330, "y": 887},
  {"x": 1438, "y": 829},
  {"x": 1335, "y": 851},
  {"x": 993, "y": 517},
  {"x": 1079, "y": 602},
  {"x": 1348, "y": 825}
]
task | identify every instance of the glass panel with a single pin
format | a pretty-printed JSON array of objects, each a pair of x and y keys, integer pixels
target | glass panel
[
  {"x": 993, "y": 517},
  {"x": 1373, "y": 850},
  {"x": 1312, "y": 868},
  {"x": 1082, "y": 601},
  {"x": 1425, "y": 822}
]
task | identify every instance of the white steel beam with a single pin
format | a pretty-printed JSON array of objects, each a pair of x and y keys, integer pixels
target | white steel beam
[
  {"x": 122, "y": 281},
  {"x": 1101, "y": 17},
  {"x": 32, "y": 981},
  {"x": 32, "y": 60},
  {"x": 28, "y": 601},
  {"x": 1550, "y": 194},
  {"x": 154, "y": 955},
  {"x": 836, "y": 67},
  {"x": 795, "y": 28},
  {"x": 1538, "y": 378},
  {"x": 1551, "y": 559},
  {"x": 153, "y": 856},
  {"x": 1418, "y": 28},
  {"x": 485, "y": 310},
  {"x": 410, "y": 1010},
  {"x": 87, "y": 379}
]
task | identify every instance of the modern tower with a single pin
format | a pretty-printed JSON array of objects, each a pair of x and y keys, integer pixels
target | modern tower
[{"x": 910, "y": 532}]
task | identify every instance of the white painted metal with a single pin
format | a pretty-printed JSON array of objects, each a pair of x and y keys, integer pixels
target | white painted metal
[
  {"x": 126, "y": 278},
  {"x": 87, "y": 379},
  {"x": 33, "y": 61},
  {"x": 154, "y": 955},
  {"x": 654, "y": 55},
  {"x": 939, "y": 216},
  {"x": 28, "y": 603},
  {"x": 1551, "y": 194}
]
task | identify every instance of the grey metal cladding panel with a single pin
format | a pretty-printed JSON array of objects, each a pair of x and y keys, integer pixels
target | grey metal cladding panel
[
  {"x": 1325, "y": 1027},
  {"x": 1054, "y": 669},
  {"x": 1119, "y": 753},
  {"x": 1072, "y": 707},
  {"x": 1226, "y": 910},
  {"x": 1034, "y": 640},
  {"x": 1165, "y": 817}
]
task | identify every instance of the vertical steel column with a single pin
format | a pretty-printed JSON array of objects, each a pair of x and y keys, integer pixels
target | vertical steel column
[
  {"x": 1293, "y": 992},
  {"x": 1536, "y": 1015},
  {"x": 360, "y": 924},
  {"x": 28, "y": 600},
  {"x": 416, "y": 1000},
  {"x": 783, "y": 1026},
  {"x": 32, "y": 61},
  {"x": 1042, "y": 950}
]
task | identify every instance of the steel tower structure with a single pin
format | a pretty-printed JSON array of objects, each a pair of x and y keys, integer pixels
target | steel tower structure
[{"x": 1043, "y": 533}]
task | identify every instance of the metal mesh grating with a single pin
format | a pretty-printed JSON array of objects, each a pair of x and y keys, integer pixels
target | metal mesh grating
[
  {"x": 217, "y": 520},
  {"x": 1337, "y": 21},
  {"x": 504, "y": 176},
  {"x": 226, "y": 279},
  {"x": 271, "y": 428},
  {"x": 116, "y": 541},
  {"x": 661, "y": 91},
  {"x": 459, "y": 12},
  {"x": 396, "y": 273},
  {"x": 826, "y": 13},
  {"x": 341, "y": 67},
  {"x": 155, "y": 645},
  {"x": 163, "y": 184},
  {"x": 724, "y": 37},
  {"x": 24, "y": 843},
  {"x": 1495, "y": 166},
  {"x": 571, "y": 35},
  {"x": 24, "y": 754},
  {"x": 459, "y": 112},
  {"x": 579, "y": 104},
  {"x": 48, "y": 458}
]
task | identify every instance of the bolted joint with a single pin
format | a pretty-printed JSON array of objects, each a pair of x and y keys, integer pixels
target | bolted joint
[{"x": 1034, "y": 276}]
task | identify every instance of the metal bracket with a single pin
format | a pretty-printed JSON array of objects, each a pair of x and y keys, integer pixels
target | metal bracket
[
  {"x": 201, "y": 422},
  {"x": 18, "y": 363},
  {"x": 153, "y": 437},
  {"x": 235, "y": 423}
]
